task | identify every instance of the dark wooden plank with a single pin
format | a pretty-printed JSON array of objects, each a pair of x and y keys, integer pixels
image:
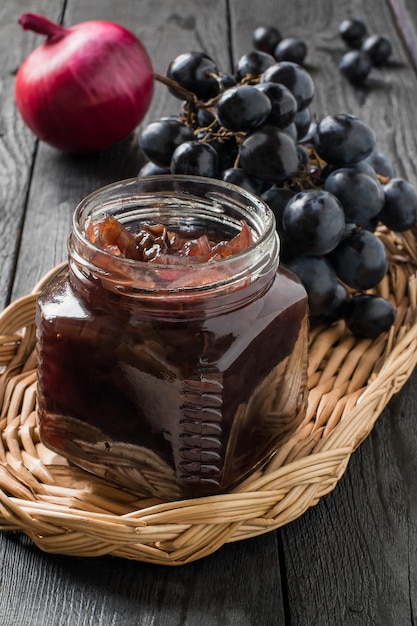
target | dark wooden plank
[
  {"x": 17, "y": 144},
  {"x": 215, "y": 591},
  {"x": 233, "y": 586},
  {"x": 405, "y": 15},
  {"x": 351, "y": 559}
]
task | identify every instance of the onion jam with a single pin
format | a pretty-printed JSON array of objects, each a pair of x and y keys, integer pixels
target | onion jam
[{"x": 172, "y": 353}]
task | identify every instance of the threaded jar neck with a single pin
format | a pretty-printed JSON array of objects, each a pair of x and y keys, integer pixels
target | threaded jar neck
[{"x": 188, "y": 204}]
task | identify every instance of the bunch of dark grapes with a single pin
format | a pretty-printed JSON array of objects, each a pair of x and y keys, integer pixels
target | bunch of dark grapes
[
  {"x": 326, "y": 183},
  {"x": 364, "y": 52}
]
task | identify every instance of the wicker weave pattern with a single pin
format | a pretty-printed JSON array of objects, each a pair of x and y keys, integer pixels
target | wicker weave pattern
[{"x": 65, "y": 510}]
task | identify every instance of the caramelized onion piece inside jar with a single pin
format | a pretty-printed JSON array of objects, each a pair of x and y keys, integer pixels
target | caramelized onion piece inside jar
[{"x": 157, "y": 244}]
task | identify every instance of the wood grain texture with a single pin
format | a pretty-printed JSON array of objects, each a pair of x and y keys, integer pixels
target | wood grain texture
[
  {"x": 352, "y": 559},
  {"x": 17, "y": 144},
  {"x": 359, "y": 546},
  {"x": 405, "y": 15},
  {"x": 218, "y": 590}
]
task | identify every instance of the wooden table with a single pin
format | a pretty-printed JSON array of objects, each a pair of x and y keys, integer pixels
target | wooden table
[{"x": 352, "y": 559}]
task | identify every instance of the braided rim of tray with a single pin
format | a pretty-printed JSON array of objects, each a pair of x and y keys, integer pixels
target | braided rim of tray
[{"x": 65, "y": 510}]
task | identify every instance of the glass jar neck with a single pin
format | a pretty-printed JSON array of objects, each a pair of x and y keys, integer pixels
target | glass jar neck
[{"x": 187, "y": 204}]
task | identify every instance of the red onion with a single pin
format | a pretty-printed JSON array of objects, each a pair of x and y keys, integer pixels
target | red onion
[{"x": 86, "y": 87}]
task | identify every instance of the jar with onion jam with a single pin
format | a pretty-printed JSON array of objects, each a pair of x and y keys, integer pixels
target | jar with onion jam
[{"x": 172, "y": 351}]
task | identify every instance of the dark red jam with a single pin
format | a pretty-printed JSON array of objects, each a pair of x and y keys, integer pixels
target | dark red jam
[{"x": 176, "y": 393}]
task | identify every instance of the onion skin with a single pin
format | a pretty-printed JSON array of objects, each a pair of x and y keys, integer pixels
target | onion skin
[{"x": 86, "y": 87}]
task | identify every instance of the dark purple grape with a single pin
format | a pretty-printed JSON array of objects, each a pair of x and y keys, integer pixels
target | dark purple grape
[
  {"x": 319, "y": 280},
  {"x": 369, "y": 315},
  {"x": 159, "y": 139},
  {"x": 283, "y": 104},
  {"x": 360, "y": 260},
  {"x": 355, "y": 65},
  {"x": 266, "y": 38},
  {"x": 337, "y": 307},
  {"x": 370, "y": 224},
  {"x": 291, "y": 131},
  {"x": 276, "y": 198},
  {"x": 379, "y": 49},
  {"x": 361, "y": 196},
  {"x": 196, "y": 159},
  {"x": 253, "y": 64},
  {"x": 315, "y": 221},
  {"x": 227, "y": 150},
  {"x": 353, "y": 31},
  {"x": 293, "y": 76},
  {"x": 227, "y": 80},
  {"x": 242, "y": 108},
  {"x": 303, "y": 156},
  {"x": 196, "y": 72},
  {"x": 362, "y": 167},
  {"x": 237, "y": 176},
  {"x": 302, "y": 121},
  {"x": 151, "y": 169},
  {"x": 349, "y": 229},
  {"x": 381, "y": 164},
  {"x": 205, "y": 117},
  {"x": 343, "y": 139},
  {"x": 400, "y": 206},
  {"x": 291, "y": 49},
  {"x": 269, "y": 154}
]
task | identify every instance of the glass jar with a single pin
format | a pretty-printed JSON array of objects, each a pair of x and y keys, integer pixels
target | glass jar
[{"x": 172, "y": 380}]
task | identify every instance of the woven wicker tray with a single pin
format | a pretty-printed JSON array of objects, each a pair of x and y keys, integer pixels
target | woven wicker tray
[{"x": 67, "y": 511}]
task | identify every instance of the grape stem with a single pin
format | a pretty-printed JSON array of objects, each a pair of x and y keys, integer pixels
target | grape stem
[
  {"x": 214, "y": 130},
  {"x": 188, "y": 95}
]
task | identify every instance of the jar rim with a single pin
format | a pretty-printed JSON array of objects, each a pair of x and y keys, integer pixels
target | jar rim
[{"x": 266, "y": 221}]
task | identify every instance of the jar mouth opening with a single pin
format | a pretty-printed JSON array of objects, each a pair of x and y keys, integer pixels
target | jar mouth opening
[{"x": 181, "y": 201}]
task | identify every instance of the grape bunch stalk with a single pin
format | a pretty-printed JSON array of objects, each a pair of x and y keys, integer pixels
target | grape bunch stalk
[{"x": 325, "y": 180}]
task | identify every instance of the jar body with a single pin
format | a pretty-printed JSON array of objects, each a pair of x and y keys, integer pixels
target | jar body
[{"x": 174, "y": 400}]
